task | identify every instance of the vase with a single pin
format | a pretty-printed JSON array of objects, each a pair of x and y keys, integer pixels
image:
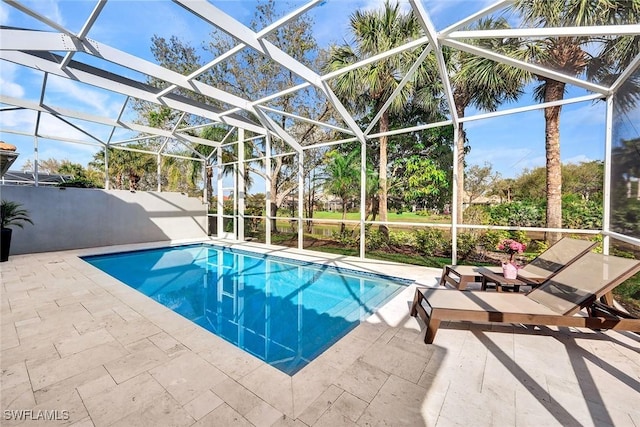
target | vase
[{"x": 509, "y": 270}]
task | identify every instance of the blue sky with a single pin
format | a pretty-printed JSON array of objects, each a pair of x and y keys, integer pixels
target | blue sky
[{"x": 509, "y": 143}]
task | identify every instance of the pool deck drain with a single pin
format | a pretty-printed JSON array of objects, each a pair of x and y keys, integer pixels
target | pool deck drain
[{"x": 84, "y": 349}]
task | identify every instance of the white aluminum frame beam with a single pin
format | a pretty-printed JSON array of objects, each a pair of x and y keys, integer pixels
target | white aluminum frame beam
[
  {"x": 545, "y": 32},
  {"x": 474, "y": 17},
  {"x": 118, "y": 84},
  {"x": 59, "y": 111},
  {"x": 305, "y": 119},
  {"x": 237, "y": 30},
  {"x": 85, "y": 29}
]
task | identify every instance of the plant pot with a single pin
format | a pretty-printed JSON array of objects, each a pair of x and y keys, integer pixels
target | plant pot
[
  {"x": 509, "y": 271},
  {"x": 5, "y": 244}
]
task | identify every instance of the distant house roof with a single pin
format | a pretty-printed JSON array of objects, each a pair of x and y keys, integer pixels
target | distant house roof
[{"x": 28, "y": 178}]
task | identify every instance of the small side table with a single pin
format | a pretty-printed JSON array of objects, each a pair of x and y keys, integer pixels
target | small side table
[{"x": 500, "y": 281}]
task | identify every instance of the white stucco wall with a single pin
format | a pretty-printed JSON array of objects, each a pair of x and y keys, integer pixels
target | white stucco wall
[{"x": 74, "y": 218}]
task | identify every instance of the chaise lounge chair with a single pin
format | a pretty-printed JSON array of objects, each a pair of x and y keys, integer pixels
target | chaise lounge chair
[
  {"x": 543, "y": 267},
  {"x": 554, "y": 302}
]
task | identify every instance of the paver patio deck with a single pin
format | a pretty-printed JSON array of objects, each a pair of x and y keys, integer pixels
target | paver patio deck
[{"x": 76, "y": 341}]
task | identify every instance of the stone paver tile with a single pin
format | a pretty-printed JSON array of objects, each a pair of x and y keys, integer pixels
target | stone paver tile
[
  {"x": 45, "y": 373},
  {"x": 20, "y": 396},
  {"x": 163, "y": 411},
  {"x": 130, "y": 332},
  {"x": 420, "y": 349},
  {"x": 272, "y": 386},
  {"x": 313, "y": 412},
  {"x": 231, "y": 360},
  {"x": 486, "y": 407},
  {"x": 534, "y": 403},
  {"x": 66, "y": 409},
  {"x": 310, "y": 382},
  {"x": 369, "y": 331},
  {"x": 346, "y": 351},
  {"x": 45, "y": 330},
  {"x": 362, "y": 380},
  {"x": 203, "y": 404},
  {"x": 596, "y": 411},
  {"x": 127, "y": 398},
  {"x": 85, "y": 422},
  {"x": 76, "y": 343},
  {"x": 394, "y": 360},
  {"x": 69, "y": 384},
  {"x": 127, "y": 313},
  {"x": 14, "y": 375},
  {"x": 9, "y": 336},
  {"x": 96, "y": 386},
  {"x": 70, "y": 402},
  {"x": 167, "y": 343},
  {"x": 398, "y": 403},
  {"x": 350, "y": 406},
  {"x": 285, "y": 421},
  {"x": 169, "y": 321},
  {"x": 263, "y": 415},
  {"x": 187, "y": 376},
  {"x": 236, "y": 395},
  {"x": 144, "y": 356},
  {"x": 198, "y": 339},
  {"x": 223, "y": 415},
  {"x": 73, "y": 313},
  {"x": 335, "y": 418},
  {"x": 107, "y": 319}
]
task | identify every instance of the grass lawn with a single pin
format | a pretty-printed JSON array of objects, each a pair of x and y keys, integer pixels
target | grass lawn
[{"x": 393, "y": 217}]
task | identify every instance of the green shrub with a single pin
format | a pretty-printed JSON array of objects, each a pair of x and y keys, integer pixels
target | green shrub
[
  {"x": 492, "y": 238},
  {"x": 581, "y": 213},
  {"x": 402, "y": 238},
  {"x": 344, "y": 239},
  {"x": 374, "y": 240},
  {"x": 476, "y": 214},
  {"x": 522, "y": 214},
  {"x": 430, "y": 241},
  {"x": 537, "y": 246},
  {"x": 466, "y": 244}
]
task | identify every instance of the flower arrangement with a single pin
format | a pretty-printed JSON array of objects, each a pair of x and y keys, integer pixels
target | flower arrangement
[{"x": 511, "y": 247}]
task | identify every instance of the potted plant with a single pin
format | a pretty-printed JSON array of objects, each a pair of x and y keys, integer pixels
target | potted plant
[
  {"x": 11, "y": 213},
  {"x": 511, "y": 247}
]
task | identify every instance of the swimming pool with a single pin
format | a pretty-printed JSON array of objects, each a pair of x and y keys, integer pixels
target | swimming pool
[{"x": 283, "y": 311}]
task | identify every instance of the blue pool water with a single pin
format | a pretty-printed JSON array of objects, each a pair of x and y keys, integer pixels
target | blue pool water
[{"x": 284, "y": 312}]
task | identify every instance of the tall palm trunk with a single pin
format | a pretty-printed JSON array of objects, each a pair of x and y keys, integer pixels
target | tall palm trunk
[
  {"x": 382, "y": 203},
  {"x": 553, "y": 91},
  {"x": 344, "y": 217},
  {"x": 461, "y": 103}
]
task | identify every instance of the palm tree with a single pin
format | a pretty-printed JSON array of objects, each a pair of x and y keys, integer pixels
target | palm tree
[
  {"x": 343, "y": 179},
  {"x": 375, "y": 32},
  {"x": 482, "y": 83},
  {"x": 568, "y": 55}
]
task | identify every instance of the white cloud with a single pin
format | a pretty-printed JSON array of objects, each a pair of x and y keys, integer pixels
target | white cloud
[
  {"x": 50, "y": 9},
  {"x": 70, "y": 94},
  {"x": 20, "y": 120},
  {"x": 9, "y": 87},
  {"x": 405, "y": 6},
  {"x": 580, "y": 158},
  {"x": 4, "y": 14}
]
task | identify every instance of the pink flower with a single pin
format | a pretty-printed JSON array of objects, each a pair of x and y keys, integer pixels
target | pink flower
[{"x": 511, "y": 246}]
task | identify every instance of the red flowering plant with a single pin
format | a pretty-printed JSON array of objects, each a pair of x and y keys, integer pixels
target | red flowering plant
[{"x": 512, "y": 247}]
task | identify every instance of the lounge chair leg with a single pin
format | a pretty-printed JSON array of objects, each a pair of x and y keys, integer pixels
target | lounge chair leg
[
  {"x": 445, "y": 272},
  {"x": 432, "y": 328},
  {"x": 416, "y": 301}
]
